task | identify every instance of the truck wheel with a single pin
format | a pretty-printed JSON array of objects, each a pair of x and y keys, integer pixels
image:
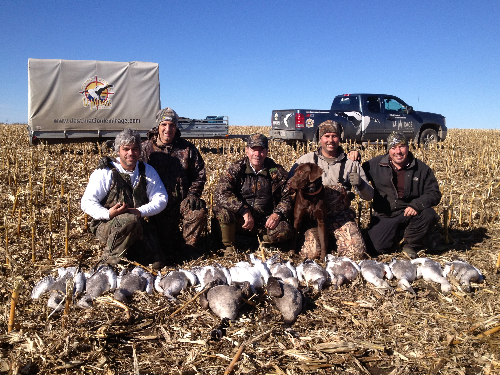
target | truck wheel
[{"x": 428, "y": 137}]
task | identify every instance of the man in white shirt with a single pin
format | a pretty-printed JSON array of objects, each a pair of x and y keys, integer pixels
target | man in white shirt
[{"x": 120, "y": 193}]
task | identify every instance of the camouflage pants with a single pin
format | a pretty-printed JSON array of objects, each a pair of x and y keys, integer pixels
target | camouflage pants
[
  {"x": 349, "y": 240},
  {"x": 283, "y": 231},
  {"x": 130, "y": 236},
  {"x": 194, "y": 223}
]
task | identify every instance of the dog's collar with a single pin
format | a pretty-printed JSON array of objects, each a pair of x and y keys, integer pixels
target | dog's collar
[{"x": 316, "y": 192}]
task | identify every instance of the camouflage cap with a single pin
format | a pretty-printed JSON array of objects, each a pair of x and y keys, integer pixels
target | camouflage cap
[
  {"x": 329, "y": 126},
  {"x": 396, "y": 138},
  {"x": 166, "y": 114},
  {"x": 257, "y": 140}
]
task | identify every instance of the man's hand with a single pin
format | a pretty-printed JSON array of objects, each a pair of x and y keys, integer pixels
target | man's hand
[
  {"x": 248, "y": 225},
  {"x": 354, "y": 155},
  {"x": 354, "y": 177},
  {"x": 410, "y": 212},
  {"x": 272, "y": 221},
  {"x": 117, "y": 209},
  {"x": 135, "y": 212}
]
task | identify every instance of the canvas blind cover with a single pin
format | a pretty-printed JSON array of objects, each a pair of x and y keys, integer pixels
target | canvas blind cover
[{"x": 79, "y": 95}]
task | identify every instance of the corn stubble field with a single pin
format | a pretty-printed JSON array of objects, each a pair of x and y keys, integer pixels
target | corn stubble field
[{"x": 353, "y": 330}]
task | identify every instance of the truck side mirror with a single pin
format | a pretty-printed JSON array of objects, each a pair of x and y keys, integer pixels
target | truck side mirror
[{"x": 409, "y": 109}]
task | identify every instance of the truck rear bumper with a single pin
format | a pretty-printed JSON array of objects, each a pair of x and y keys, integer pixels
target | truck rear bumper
[{"x": 286, "y": 134}]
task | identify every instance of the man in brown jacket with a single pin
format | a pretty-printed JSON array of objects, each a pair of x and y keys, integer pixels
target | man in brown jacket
[{"x": 254, "y": 196}]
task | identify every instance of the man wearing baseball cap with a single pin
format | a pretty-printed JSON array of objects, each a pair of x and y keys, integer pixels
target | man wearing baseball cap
[
  {"x": 182, "y": 171},
  {"x": 253, "y": 196},
  {"x": 342, "y": 176},
  {"x": 405, "y": 192}
]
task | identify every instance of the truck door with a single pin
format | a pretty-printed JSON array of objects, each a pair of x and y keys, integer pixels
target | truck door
[
  {"x": 373, "y": 119},
  {"x": 398, "y": 118}
]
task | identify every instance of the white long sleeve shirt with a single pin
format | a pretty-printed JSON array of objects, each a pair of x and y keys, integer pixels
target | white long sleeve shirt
[{"x": 100, "y": 183}]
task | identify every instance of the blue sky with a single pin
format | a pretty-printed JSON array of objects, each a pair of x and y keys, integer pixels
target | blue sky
[{"x": 243, "y": 59}]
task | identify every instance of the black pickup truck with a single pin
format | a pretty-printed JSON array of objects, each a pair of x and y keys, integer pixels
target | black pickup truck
[{"x": 364, "y": 117}]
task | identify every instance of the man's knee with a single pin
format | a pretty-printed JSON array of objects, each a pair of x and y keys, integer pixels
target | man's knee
[
  {"x": 429, "y": 216},
  {"x": 283, "y": 231},
  {"x": 225, "y": 217}
]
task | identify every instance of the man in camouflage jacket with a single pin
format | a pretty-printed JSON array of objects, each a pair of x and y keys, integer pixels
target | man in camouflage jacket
[
  {"x": 182, "y": 170},
  {"x": 253, "y": 195}
]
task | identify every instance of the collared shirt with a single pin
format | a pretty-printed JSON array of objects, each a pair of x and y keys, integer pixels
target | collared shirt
[{"x": 398, "y": 177}]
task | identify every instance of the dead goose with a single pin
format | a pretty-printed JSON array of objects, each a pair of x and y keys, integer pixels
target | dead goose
[
  {"x": 406, "y": 272},
  {"x": 284, "y": 271},
  {"x": 102, "y": 280},
  {"x": 57, "y": 287},
  {"x": 312, "y": 273},
  {"x": 224, "y": 300},
  {"x": 430, "y": 270},
  {"x": 244, "y": 271},
  {"x": 42, "y": 286},
  {"x": 261, "y": 266},
  {"x": 286, "y": 298},
  {"x": 374, "y": 272},
  {"x": 210, "y": 274},
  {"x": 464, "y": 272},
  {"x": 174, "y": 283},
  {"x": 130, "y": 282},
  {"x": 341, "y": 270}
]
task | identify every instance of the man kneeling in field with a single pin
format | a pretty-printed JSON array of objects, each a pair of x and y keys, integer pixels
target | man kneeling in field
[
  {"x": 253, "y": 196},
  {"x": 120, "y": 194}
]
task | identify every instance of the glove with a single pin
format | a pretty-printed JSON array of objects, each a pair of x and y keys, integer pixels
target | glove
[
  {"x": 354, "y": 177},
  {"x": 196, "y": 203}
]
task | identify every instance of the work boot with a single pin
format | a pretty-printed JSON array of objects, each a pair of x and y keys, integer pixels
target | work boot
[
  {"x": 409, "y": 252},
  {"x": 228, "y": 234},
  {"x": 229, "y": 250}
]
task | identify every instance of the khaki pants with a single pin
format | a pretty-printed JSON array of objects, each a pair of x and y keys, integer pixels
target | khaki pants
[{"x": 126, "y": 235}]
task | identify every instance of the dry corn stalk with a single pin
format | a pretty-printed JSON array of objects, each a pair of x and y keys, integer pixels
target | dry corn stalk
[
  {"x": 66, "y": 238},
  {"x": 13, "y": 303}
]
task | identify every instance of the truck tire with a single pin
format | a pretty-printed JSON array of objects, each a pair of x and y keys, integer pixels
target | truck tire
[{"x": 428, "y": 137}]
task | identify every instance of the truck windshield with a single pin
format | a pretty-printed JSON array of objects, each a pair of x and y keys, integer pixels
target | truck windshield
[{"x": 345, "y": 103}]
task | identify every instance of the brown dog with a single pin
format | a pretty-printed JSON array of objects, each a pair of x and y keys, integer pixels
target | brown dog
[{"x": 309, "y": 200}]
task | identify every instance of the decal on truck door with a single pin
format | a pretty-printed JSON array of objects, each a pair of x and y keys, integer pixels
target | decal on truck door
[{"x": 96, "y": 93}]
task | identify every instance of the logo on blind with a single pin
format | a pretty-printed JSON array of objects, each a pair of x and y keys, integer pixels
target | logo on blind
[{"x": 97, "y": 93}]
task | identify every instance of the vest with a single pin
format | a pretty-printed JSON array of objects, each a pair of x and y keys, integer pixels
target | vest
[{"x": 121, "y": 189}]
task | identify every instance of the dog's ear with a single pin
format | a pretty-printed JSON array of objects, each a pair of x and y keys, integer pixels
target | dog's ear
[{"x": 316, "y": 172}]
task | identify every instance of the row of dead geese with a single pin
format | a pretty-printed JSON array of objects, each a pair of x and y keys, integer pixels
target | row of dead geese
[{"x": 224, "y": 290}]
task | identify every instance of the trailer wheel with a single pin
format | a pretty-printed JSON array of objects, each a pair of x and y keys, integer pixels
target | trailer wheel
[{"x": 428, "y": 137}]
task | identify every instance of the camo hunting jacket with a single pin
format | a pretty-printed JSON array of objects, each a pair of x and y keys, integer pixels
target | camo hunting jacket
[
  {"x": 179, "y": 165},
  {"x": 264, "y": 193}
]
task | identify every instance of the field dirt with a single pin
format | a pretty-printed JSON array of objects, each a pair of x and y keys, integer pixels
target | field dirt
[{"x": 353, "y": 330}]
